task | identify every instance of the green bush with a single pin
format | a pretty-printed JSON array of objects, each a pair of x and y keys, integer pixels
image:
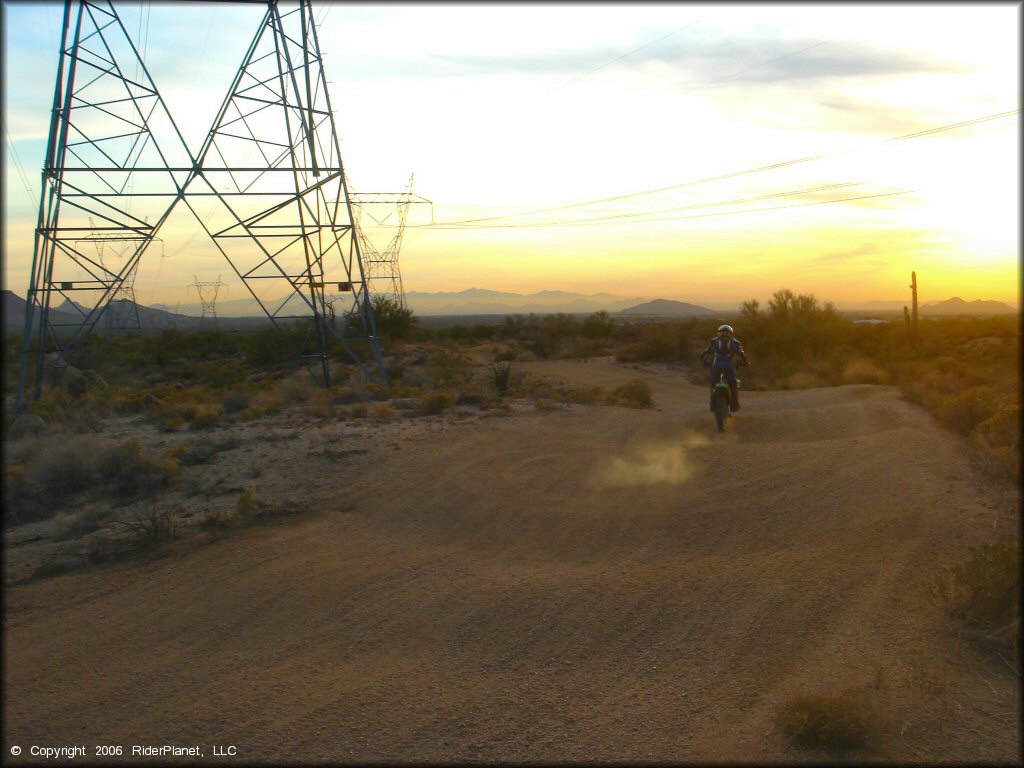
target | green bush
[
  {"x": 598, "y": 326},
  {"x": 394, "y": 322},
  {"x": 663, "y": 341}
]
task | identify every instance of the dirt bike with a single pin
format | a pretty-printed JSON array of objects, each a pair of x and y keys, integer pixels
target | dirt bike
[{"x": 721, "y": 397}]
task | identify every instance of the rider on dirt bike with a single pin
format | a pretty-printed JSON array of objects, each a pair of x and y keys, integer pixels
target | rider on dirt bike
[{"x": 724, "y": 347}]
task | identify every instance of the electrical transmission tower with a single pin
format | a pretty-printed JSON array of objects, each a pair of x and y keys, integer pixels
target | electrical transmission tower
[
  {"x": 208, "y": 298},
  {"x": 122, "y": 313},
  {"x": 108, "y": 172},
  {"x": 284, "y": 224},
  {"x": 270, "y": 164},
  {"x": 383, "y": 275}
]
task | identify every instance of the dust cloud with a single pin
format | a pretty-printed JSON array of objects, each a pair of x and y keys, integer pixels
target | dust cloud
[{"x": 653, "y": 464}]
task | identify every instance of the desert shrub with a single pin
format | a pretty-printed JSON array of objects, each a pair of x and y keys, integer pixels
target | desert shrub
[
  {"x": 131, "y": 471},
  {"x": 74, "y": 414},
  {"x": 664, "y": 341},
  {"x": 833, "y": 723},
  {"x": 445, "y": 368},
  {"x": 150, "y": 529},
  {"x": 359, "y": 411},
  {"x": 320, "y": 405},
  {"x": 235, "y": 401},
  {"x": 598, "y": 326},
  {"x": 204, "y": 418},
  {"x": 245, "y": 503},
  {"x": 269, "y": 402},
  {"x": 296, "y": 391},
  {"x": 345, "y": 395},
  {"x": 501, "y": 374},
  {"x": 63, "y": 466},
  {"x": 221, "y": 519},
  {"x": 435, "y": 402},
  {"x": 252, "y": 413},
  {"x": 394, "y": 322},
  {"x": 505, "y": 354},
  {"x": 382, "y": 412},
  {"x": 546, "y": 336},
  {"x": 375, "y": 391},
  {"x": 583, "y": 347},
  {"x": 269, "y": 348},
  {"x": 471, "y": 334},
  {"x": 632, "y": 394},
  {"x": 984, "y": 590},
  {"x": 171, "y": 422},
  {"x": 594, "y": 395},
  {"x": 860, "y": 370},
  {"x": 223, "y": 375},
  {"x": 1001, "y": 429},
  {"x": 176, "y": 453},
  {"x": 964, "y": 411}
]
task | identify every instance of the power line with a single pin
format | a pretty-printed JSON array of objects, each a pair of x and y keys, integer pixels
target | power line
[
  {"x": 17, "y": 163},
  {"x": 738, "y": 201},
  {"x": 635, "y": 50},
  {"x": 756, "y": 66},
  {"x": 955, "y": 125},
  {"x": 723, "y": 177},
  {"x": 679, "y": 218}
]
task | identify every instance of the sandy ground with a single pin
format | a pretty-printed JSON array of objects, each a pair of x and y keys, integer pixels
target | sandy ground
[{"x": 574, "y": 583}]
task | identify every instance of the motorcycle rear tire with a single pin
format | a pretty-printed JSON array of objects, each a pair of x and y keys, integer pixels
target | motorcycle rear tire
[{"x": 721, "y": 410}]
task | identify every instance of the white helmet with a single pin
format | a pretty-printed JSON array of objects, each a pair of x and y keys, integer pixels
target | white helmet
[{"x": 725, "y": 330}]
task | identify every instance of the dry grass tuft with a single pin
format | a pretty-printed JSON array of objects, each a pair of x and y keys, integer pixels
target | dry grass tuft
[
  {"x": 632, "y": 394},
  {"x": 984, "y": 592}
]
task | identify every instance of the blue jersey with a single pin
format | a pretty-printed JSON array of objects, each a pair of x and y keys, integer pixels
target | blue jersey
[{"x": 725, "y": 348}]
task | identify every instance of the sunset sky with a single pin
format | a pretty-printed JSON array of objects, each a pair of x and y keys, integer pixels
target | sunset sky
[{"x": 640, "y": 150}]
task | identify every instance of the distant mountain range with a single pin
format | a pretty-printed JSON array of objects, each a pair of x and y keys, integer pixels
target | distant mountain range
[
  {"x": 954, "y": 306},
  {"x": 120, "y": 311},
  {"x": 668, "y": 308},
  {"x": 245, "y": 313},
  {"x": 957, "y": 306},
  {"x": 479, "y": 301}
]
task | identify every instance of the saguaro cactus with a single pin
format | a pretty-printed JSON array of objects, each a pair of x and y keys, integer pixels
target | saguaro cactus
[
  {"x": 913, "y": 293},
  {"x": 911, "y": 317}
]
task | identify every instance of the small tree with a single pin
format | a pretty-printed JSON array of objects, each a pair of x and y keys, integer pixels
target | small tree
[{"x": 394, "y": 321}]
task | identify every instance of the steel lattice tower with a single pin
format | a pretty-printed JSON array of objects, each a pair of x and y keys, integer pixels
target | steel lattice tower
[
  {"x": 284, "y": 222},
  {"x": 108, "y": 172},
  {"x": 272, "y": 161},
  {"x": 383, "y": 274},
  {"x": 208, "y": 298}
]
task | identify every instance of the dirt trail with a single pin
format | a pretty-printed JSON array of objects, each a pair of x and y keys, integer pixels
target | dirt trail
[{"x": 578, "y": 583}]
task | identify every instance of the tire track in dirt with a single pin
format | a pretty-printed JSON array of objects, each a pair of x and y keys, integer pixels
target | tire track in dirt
[{"x": 582, "y": 583}]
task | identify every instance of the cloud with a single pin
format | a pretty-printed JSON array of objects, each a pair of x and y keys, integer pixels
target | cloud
[
  {"x": 866, "y": 249},
  {"x": 714, "y": 59}
]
